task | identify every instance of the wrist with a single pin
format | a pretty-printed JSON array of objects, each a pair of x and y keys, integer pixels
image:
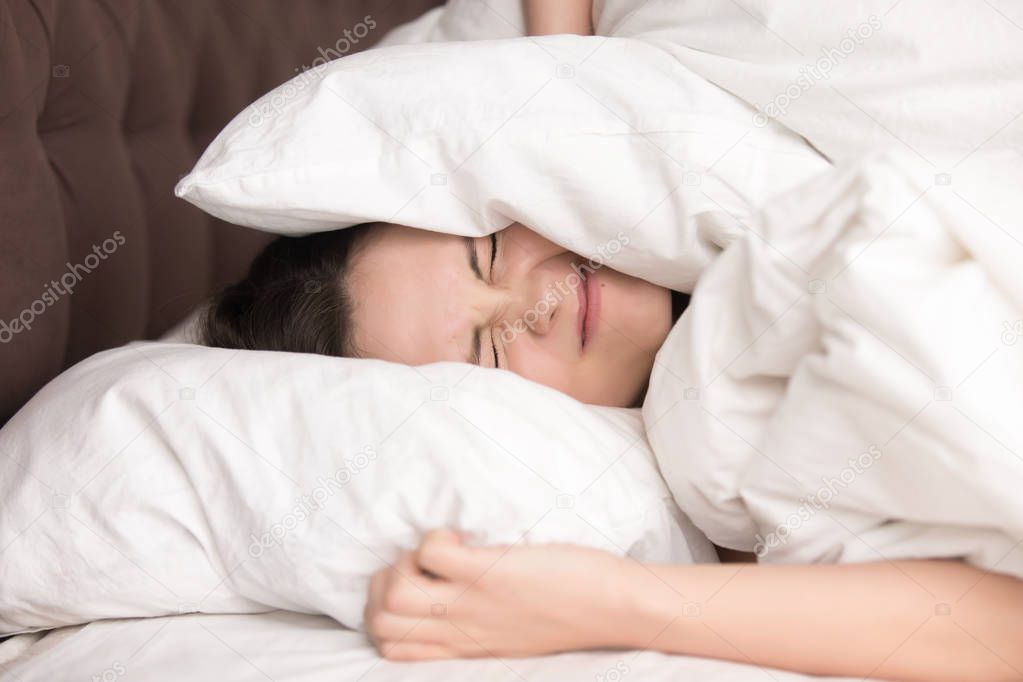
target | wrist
[{"x": 645, "y": 606}]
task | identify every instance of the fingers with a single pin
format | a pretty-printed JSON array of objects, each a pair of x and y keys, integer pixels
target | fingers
[
  {"x": 409, "y": 638},
  {"x": 385, "y": 627},
  {"x": 444, "y": 555},
  {"x": 414, "y": 606},
  {"x": 414, "y": 651},
  {"x": 412, "y": 592},
  {"x": 403, "y": 590},
  {"x": 436, "y": 541},
  {"x": 406, "y": 614}
]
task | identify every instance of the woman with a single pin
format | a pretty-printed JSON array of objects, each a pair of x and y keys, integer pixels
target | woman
[
  {"x": 519, "y": 302},
  {"x": 513, "y": 300}
]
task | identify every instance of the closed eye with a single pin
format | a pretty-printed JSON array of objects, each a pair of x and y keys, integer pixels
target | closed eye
[
  {"x": 474, "y": 266},
  {"x": 493, "y": 254},
  {"x": 490, "y": 274}
]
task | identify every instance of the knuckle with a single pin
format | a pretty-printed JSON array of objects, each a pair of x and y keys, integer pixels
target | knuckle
[
  {"x": 391, "y": 651},
  {"x": 395, "y": 598},
  {"x": 430, "y": 552},
  {"x": 377, "y": 626}
]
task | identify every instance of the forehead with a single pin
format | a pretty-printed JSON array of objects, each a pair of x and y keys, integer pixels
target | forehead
[{"x": 409, "y": 286}]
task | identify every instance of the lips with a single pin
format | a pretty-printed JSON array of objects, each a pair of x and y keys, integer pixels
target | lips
[
  {"x": 588, "y": 293},
  {"x": 581, "y": 314}
]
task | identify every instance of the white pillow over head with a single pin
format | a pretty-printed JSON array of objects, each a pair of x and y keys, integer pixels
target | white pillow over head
[
  {"x": 582, "y": 139},
  {"x": 162, "y": 478}
]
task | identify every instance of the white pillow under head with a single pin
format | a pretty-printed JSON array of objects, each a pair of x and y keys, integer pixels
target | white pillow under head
[{"x": 162, "y": 478}]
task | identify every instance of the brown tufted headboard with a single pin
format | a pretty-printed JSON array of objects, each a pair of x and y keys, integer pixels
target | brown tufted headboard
[{"x": 104, "y": 105}]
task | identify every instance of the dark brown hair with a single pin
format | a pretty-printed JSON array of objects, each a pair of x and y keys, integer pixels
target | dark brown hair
[{"x": 295, "y": 298}]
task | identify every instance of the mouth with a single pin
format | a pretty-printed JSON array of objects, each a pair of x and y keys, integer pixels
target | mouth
[{"x": 588, "y": 293}]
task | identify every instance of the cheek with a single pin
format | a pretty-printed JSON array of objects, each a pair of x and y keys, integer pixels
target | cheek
[
  {"x": 590, "y": 380},
  {"x": 528, "y": 360},
  {"x": 639, "y": 310}
]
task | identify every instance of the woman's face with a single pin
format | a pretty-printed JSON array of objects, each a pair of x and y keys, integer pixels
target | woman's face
[{"x": 513, "y": 300}]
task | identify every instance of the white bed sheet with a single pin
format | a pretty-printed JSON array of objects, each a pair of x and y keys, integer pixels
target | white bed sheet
[{"x": 290, "y": 647}]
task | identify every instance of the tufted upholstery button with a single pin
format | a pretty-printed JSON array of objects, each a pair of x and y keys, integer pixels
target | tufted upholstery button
[
  {"x": 81, "y": 130},
  {"x": 33, "y": 240},
  {"x": 165, "y": 69},
  {"x": 104, "y": 104}
]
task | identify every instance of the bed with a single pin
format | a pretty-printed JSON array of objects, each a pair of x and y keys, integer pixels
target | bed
[
  {"x": 287, "y": 646},
  {"x": 140, "y": 88},
  {"x": 144, "y": 87}
]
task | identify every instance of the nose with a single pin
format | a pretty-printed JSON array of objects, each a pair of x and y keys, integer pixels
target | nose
[{"x": 526, "y": 304}]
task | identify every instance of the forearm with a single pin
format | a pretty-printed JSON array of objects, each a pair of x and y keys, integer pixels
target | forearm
[
  {"x": 897, "y": 620},
  {"x": 546, "y": 17}
]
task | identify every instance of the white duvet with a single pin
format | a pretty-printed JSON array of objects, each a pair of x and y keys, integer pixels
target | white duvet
[
  {"x": 848, "y": 382},
  {"x": 937, "y": 78}
]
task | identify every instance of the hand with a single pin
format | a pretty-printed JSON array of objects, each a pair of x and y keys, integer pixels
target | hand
[{"x": 447, "y": 600}]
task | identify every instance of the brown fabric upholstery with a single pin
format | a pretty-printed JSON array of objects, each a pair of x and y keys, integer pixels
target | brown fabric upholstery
[{"x": 104, "y": 105}]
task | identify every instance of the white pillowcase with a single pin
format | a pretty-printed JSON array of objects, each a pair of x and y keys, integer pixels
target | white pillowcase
[
  {"x": 161, "y": 478},
  {"x": 593, "y": 142}
]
